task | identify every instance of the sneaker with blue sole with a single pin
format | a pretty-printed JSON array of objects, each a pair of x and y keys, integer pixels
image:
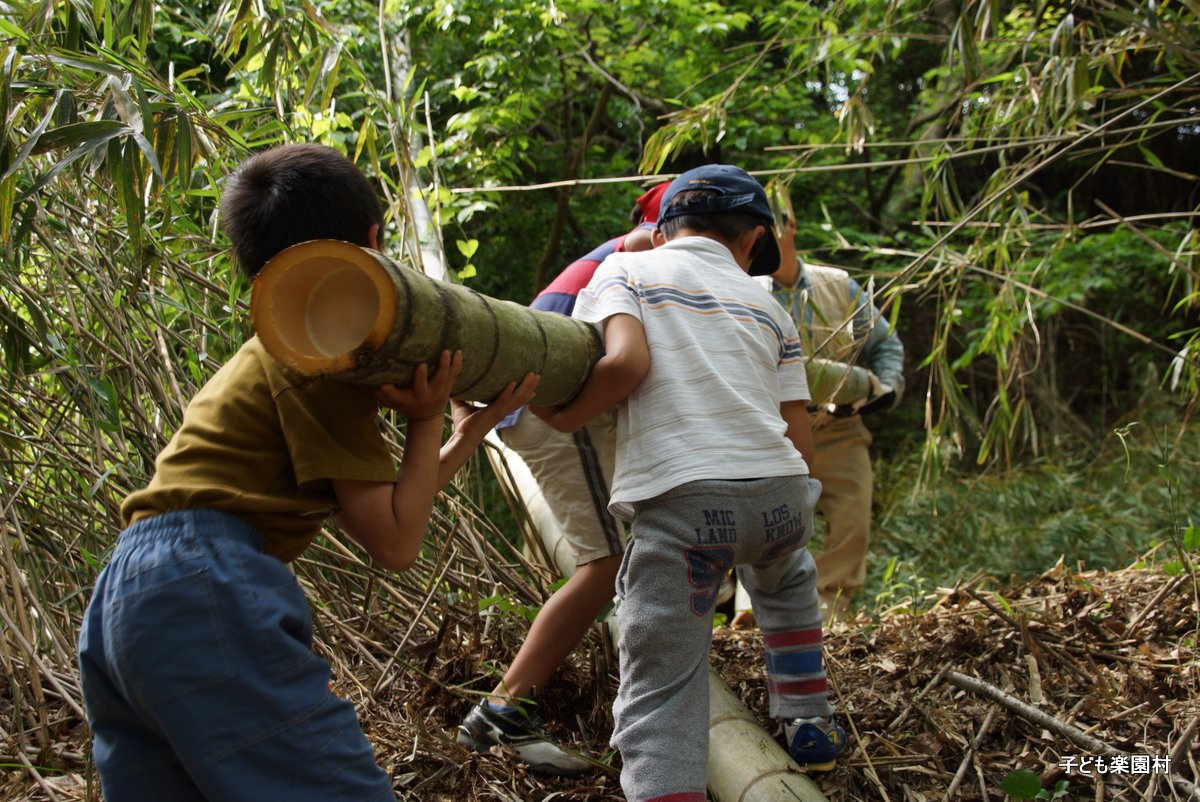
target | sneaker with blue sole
[
  {"x": 485, "y": 727},
  {"x": 815, "y": 743}
]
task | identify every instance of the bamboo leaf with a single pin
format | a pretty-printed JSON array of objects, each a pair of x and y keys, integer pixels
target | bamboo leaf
[
  {"x": 1151, "y": 157},
  {"x": 34, "y": 135},
  {"x": 88, "y": 64},
  {"x": 8, "y": 194},
  {"x": 88, "y": 134},
  {"x": 86, "y": 138},
  {"x": 183, "y": 148},
  {"x": 15, "y": 32}
]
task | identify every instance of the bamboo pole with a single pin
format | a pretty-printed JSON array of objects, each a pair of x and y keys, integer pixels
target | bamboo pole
[
  {"x": 745, "y": 764},
  {"x": 836, "y": 383},
  {"x": 329, "y": 308}
]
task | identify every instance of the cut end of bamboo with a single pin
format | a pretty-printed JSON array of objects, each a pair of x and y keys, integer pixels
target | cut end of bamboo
[{"x": 318, "y": 305}]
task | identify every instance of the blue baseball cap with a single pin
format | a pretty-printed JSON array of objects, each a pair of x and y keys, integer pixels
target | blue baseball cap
[{"x": 737, "y": 191}]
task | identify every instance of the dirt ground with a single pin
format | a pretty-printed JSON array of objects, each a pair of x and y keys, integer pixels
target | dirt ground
[{"x": 1086, "y": 680}]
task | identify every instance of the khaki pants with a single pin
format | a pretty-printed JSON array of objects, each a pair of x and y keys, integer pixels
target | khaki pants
[
  {"x": 574, "y": 473},
  {"x": 843, "y": 465}
]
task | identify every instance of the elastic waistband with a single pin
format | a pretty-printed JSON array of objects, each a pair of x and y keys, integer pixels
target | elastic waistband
[
  {"x": 209, "y": 525},
  {"x": 729, "y": 487}
]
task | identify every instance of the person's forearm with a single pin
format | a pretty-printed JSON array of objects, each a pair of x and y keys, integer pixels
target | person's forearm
[
  {"x": 454, "y": 454},
  {"x": 802, "y": 439},
  {"x": 625, "y": 363},
  {"x": 884, "y": 354},
  {"x": 417, "y": 484},
  {"x": 789, "y": 270},
  {"x": 610, "y": 382},
  {"x": 471, "y": 425},
  {"x": 799, "y": 429}
]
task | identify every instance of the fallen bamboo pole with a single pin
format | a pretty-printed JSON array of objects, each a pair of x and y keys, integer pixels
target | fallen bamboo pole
[{"x": 745, "y": 764}]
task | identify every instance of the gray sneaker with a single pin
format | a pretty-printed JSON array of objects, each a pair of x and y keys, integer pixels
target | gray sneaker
[{"x": 484, "y": 728}]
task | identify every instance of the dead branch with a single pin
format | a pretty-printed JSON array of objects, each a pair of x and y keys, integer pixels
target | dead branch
[{"x": 1032, "y": 714}]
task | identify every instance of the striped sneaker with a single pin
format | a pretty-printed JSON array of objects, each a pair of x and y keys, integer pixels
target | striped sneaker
[{"x": 485, "y": 727}]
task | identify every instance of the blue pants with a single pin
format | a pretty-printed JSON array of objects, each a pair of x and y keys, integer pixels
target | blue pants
[
  {"x": 683, "y": 543},
  {"x": 199, "y": 678}
]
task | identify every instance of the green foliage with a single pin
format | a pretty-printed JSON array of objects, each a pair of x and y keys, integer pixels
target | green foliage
[
  {"x": 964, "y": 154},
  {"x": 504, "y": 604},
  {"x": 900, "y": 589},
  {"x": 1024, "y": 784},
  {"x": 1105, "y": 509},
  {"x": 573, "y": 93},
  {"x": 1021, "y": 784}
]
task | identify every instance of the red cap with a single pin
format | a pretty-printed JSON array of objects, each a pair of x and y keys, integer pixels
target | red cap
[{"x": 650, "y": 201}]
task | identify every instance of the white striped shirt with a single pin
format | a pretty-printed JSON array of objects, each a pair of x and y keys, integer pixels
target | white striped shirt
[{"x": 723, "y": 355}]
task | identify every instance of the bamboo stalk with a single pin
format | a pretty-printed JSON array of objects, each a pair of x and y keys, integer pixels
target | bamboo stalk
[
  {"x": 329, "y": 308},
  {"x": 21, "y": 630},
  {"x": 744, "y": 762}
]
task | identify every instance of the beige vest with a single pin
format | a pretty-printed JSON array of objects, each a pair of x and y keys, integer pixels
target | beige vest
[
  {"x": 830, "y": 330},
  {"x": 824, "y": 315}
]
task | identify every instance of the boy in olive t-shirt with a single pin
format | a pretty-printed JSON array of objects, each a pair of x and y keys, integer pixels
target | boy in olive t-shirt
[{"x": 195, "y": 654}]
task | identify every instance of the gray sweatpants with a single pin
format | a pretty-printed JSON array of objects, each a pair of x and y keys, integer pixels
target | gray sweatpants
[{"x": 682, "y": 544}]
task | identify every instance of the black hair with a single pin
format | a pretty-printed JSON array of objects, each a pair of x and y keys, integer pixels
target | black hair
[
  {"x": 725, "y": 225},
  {"x": 635, "y": 216},
  {"x": 294, "y": 193}
]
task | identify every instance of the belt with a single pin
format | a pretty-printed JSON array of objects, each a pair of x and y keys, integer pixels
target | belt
[{"x": 833, "y": 410}]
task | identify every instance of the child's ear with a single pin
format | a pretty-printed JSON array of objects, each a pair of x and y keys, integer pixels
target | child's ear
[
  {"x": 373, "y": 237},
  {"x": 657, "y": 238},
  {"x": 748, "y": 239}
]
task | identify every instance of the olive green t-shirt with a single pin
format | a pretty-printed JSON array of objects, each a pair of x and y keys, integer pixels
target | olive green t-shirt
[{"x": 262, "y": 443}]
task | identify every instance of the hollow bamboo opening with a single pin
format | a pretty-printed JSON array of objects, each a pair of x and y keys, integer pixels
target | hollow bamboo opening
[{"x": 323, "y": 303}]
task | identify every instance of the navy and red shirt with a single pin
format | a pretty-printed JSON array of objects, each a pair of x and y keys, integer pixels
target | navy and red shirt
[{"x": 560, "y": 294}]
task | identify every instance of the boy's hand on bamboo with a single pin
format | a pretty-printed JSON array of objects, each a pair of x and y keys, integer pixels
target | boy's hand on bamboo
[
  {"x": 470, "y": 420},
  {"x": 427, "y": 397}
]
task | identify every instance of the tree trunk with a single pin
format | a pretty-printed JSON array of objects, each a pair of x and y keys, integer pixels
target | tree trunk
[{"x": 328, "y": 308}]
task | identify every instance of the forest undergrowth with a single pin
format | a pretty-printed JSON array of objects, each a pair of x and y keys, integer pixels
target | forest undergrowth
[{"x": 1082, "y": 565}]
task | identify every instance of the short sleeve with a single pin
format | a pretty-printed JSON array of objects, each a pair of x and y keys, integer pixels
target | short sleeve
[
  {"x": 332, "y": 432},
  {"x": 793, "y": 375},
  {"x": 612, "y": 291}
]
